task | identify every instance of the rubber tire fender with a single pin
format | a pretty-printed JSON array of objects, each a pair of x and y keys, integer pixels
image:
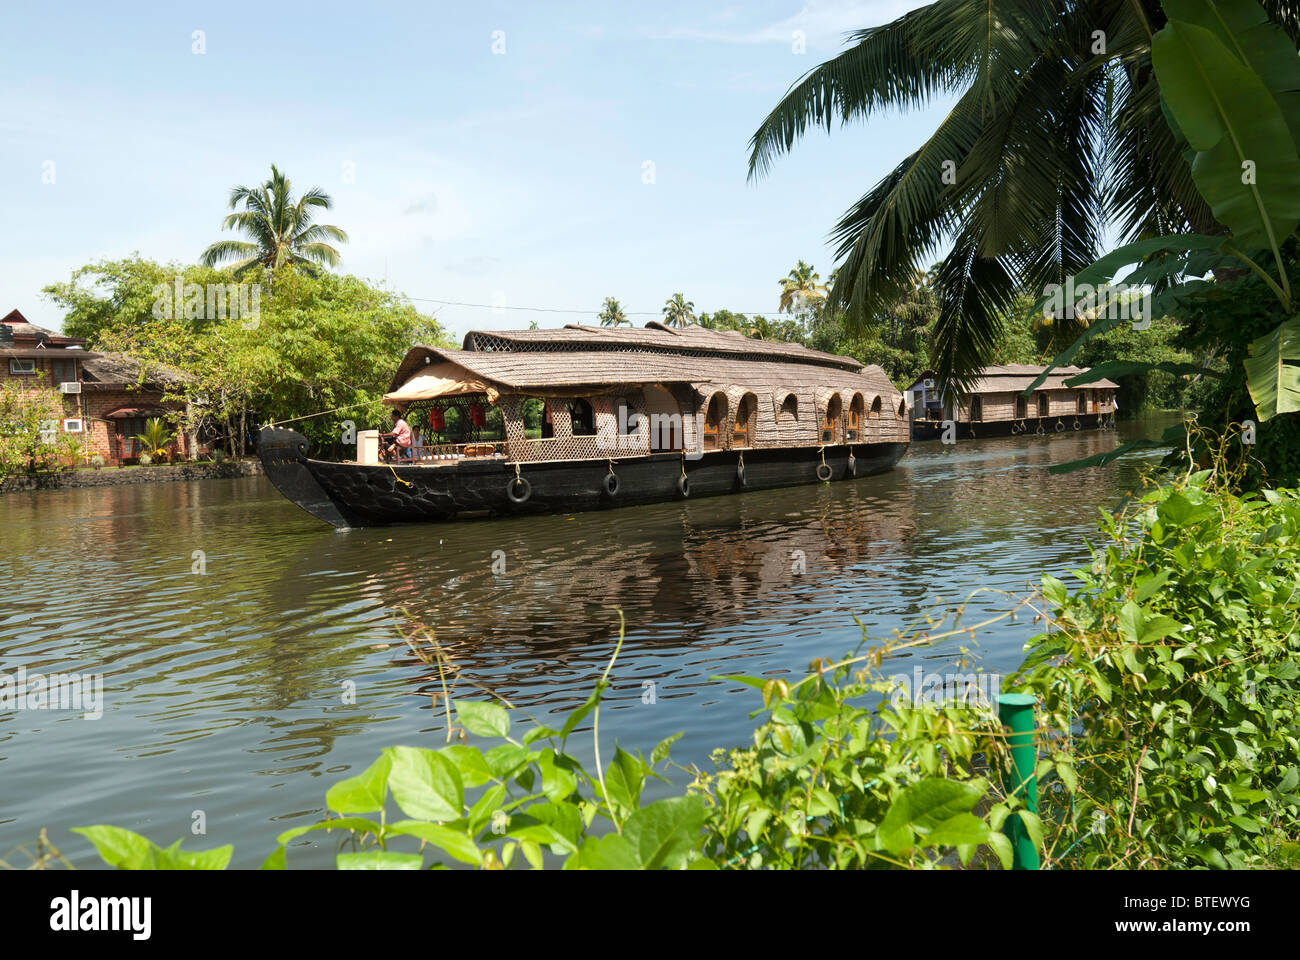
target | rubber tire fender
[{"x": 512, "y": 486}]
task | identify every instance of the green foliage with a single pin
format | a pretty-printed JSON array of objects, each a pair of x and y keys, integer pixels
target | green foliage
[
  {"x": 826, "y": 784},
  {"x": 830, "y": 783},
  {"x": 320, "y": 342},
  {"x": 1044, "y": 138},
  {"x": 282, "y": 232},
  {"x": 1170, "y": 684},
  {"x": 1228, "y": 78},
  {"x": 801, "y": 291},
  {"x": 612, "y": 314},
  {"x": 129, "y": 851},
  {"x": 1231, "y": 119},
  {"x": 156, "y": 437},
  {"x": 1227, "y": 317},
  {"x": 678, "y": 311},
  {"x": 31, "y": 436},
  {"x": 1151, "y": 378}
]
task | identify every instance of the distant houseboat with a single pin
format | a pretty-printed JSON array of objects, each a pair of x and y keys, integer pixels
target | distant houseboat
[
  {"x": 997, "y": 407},
  {"x": 581, "y": 418}
]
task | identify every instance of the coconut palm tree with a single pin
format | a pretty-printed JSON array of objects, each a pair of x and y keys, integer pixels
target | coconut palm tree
[
  {"x": 612, "y": 315},
  {"x": 1057, "y": 132},
  {"x": 678, "y": 311},
  {"x": 281, "y": 230},
  {"x": 156, "y": 437},
  {"x": 800, "y": 290}
]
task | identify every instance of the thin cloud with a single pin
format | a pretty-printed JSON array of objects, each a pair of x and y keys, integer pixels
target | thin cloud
[{"x": 824, "y": 23}]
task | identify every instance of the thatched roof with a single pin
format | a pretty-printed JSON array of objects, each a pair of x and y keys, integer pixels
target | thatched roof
[
  {"x": 1016, "y": 377},
  {"x": 578, "y": 373},
  {"x": 654, "y": 337},
  {"x": 117, "y": 371}
]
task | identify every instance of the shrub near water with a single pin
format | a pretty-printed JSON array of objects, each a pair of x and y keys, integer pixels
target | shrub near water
[
  {"x": 826, "y": 784},
  {"x": 1170, "y": 702}
]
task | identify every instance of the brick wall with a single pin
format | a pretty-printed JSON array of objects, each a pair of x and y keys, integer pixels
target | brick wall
[{"x": 100, "y": 434}]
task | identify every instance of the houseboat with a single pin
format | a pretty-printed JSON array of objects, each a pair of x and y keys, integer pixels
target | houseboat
[
  {"x": 996, "y": 405},
  {"x": 582, "y": 418}
]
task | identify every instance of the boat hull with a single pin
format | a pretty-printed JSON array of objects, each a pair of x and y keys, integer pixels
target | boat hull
[
  {"x": 357, "y": 495},
  {"x": 933, "y": 429}
]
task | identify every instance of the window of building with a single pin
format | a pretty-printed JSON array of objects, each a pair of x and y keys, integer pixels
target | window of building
[
  {"x": 741, "y": 432},
  {"x": 22, "y": 366},
  {"x": 856, "y": 406},
  {"x": 582, "y": 417},
  {"x": 875, "y": 409},
  {"x": 1022, "y": 407},
  {"x": 976, "y": 409},
  {"x": 1082, "y": 405},
  {"x": 713, "y": 419},
  {"x": 789, "y": 408},
  {"x": 1042, "y": 405},
  {"x": 830, "y": 422},
  {"x": 65, "y": 371}
]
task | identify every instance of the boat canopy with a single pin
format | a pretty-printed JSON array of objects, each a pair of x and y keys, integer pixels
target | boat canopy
[{"x": 444, "y": 379}]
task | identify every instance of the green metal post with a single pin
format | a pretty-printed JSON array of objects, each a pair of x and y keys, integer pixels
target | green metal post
[{"x": 1016, "y": 711}]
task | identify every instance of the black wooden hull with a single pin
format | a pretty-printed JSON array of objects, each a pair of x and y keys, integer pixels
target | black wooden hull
[
  {"x": 358, "y": 495},
  {"x": 933, "y": 429}
]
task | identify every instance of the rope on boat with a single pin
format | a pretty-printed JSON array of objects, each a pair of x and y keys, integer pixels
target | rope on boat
[{"x": 308, "y": 416}]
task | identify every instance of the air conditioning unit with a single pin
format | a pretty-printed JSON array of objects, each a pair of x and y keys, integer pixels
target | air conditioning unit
[
  {"x": 928, "y": 384},
  {"x": 72, "y": 386}
]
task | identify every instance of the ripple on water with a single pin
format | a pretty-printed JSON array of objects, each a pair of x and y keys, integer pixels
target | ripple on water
[{"x": 243, "y": 691}]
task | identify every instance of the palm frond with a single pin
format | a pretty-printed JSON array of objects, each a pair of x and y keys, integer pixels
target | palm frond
[{"x": 224, "y": 250}]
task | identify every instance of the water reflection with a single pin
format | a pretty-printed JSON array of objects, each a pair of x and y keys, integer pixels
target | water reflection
[{"x": 244, "y": 690}]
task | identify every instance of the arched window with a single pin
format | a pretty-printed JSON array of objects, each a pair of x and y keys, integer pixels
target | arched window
[
  {"x": 831, "y": 421},
  {"x": 875, "y": 409},
  {"x": 789, "y": 408},
  {"x": 1043, "y": 407},
  {"x": 976, "y": 409},
  {"x": 902, "y": 408},
  {"x": 856, "y": 406},
  {"x": 714, "y": 417},
  {"x": 743, "y": 429},
  {"x": 582, "y": 417}
]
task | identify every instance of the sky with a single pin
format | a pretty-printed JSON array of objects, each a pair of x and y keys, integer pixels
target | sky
[{"x": 511, "y": 155}]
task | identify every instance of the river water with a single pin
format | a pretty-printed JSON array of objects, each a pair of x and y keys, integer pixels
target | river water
[{"x": 252, "y": 656}]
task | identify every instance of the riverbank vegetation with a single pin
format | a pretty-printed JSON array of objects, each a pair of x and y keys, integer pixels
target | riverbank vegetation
[
  {"x": 270, "y": 337},
  {"x": 311, "y": 346},
  {"x": 31, "y": 441},
  {"x": 1169, "y": 123}
]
